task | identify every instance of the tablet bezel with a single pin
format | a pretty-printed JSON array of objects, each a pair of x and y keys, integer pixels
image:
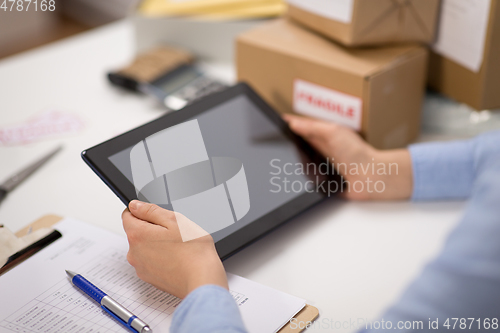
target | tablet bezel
[{"x": 97, "y": 158}]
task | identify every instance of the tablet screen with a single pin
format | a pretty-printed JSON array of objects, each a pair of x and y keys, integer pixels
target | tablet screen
[{"x": 223, "y": 168}]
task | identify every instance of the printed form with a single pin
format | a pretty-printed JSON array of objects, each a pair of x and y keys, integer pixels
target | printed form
[{"x": 36, "y": 296}]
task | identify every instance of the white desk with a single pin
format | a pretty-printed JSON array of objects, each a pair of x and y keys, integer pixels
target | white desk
[{"x": 360, "y": 256}]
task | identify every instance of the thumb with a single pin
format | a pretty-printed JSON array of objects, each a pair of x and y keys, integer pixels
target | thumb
[
  {"x": 318, "y": 133},
  {"x": 151, "y": 213}
]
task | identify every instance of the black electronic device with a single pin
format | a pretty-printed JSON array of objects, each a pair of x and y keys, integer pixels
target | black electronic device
[{"x": 235, "y": 126}]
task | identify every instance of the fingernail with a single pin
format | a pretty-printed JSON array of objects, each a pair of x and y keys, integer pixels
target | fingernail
[{"x": 136, "y": 204}]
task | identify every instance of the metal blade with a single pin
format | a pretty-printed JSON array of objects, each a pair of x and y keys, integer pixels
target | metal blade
[{"x": 20, "y": 176}]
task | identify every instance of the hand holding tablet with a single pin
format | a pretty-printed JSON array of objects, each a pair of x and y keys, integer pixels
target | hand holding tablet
[{"x": 215, "y": 162}]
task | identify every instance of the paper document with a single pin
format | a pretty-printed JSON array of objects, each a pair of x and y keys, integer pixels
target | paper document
[
  {"x": 42, "y": 299},
  {"x": 462, "y": 31},
  {"x": 338, "y": 10}
]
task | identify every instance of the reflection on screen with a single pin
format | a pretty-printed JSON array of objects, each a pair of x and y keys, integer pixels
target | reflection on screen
[{"x": 224, "y": 163}]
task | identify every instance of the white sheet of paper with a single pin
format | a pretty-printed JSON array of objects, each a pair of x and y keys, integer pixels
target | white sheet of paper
[
  {"x": 338, "y": 10},
  {"x": 42, "y": 299},
  {"x": 462, "y": 32}
]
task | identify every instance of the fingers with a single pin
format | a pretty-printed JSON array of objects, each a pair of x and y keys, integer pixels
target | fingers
[
  {"x": 310, "y": 129},
  {"x": 152, "y": 213},
  {"x": 318, "y": 133},
  {"x": 136, "y": 228}
]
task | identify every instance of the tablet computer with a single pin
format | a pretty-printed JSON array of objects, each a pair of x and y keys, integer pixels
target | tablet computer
[{"x": 228, "y": 162}]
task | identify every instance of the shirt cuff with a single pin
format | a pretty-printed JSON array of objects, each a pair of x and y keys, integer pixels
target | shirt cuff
[
  {"x": 208, "y": 308},
  {"x": 442, "y": 170}
]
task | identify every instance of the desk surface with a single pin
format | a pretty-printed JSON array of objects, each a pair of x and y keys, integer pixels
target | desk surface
[{"x": 360, "y": 256}]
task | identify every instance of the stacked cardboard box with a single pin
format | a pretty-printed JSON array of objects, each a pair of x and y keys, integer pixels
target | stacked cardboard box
[
  {"x": 465, "y": 62},
  {"x": 360, "y": 63},
  {"x": 368, "y": 22},
  {"x": 376, "y": 91}
]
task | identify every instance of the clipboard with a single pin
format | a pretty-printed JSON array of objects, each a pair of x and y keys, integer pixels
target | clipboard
[
  {"x": 305, "y": 316},
  {"x": 45, "y": 222}
]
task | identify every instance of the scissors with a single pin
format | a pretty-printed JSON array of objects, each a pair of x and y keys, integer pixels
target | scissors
[{"x": 21, "y": 175}]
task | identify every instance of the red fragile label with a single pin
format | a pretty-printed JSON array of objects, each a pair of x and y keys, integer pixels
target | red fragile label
[{"x": 317, "y": 101}]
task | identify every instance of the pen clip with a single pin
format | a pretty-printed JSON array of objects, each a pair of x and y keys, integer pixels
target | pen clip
[{"x": 120, "y": 320}]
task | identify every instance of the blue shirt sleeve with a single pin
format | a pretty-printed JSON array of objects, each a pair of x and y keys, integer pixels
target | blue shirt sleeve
[
  {"x": 464, "y": 280},
  {"x": 447, "y": 170},
  {"x": 208, "y": 309}
]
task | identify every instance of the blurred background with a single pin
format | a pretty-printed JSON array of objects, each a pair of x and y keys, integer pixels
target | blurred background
[
  {"x": 23, "y": 30},
  {"x": 26, "y": 29},
  {"x": 208, "y": 28}
]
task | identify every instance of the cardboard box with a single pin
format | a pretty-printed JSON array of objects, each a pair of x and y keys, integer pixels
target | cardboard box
[
  {"x": 467, "y": 68},
  {"x": 94, "y": 13},
  {"x": 368, "y": 22},
  {"x": 377, "y": 91},
  {"x": 20, "y": 30}
]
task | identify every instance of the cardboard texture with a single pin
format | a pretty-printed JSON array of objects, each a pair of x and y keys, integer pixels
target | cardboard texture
[
  {"x": 389, "y": 82},
  {"x": 375, "y": 22},
  {"x": 480, "y": 90},
  {"x": 307, "y": 315},
  {"x": 154, "y": 63}
]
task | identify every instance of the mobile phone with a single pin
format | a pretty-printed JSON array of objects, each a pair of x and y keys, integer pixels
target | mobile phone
[{"x": 169, "y": 75}]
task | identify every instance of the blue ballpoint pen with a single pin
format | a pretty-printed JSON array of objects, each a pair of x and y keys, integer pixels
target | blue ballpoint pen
[{"x": 125, "y": 317}]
